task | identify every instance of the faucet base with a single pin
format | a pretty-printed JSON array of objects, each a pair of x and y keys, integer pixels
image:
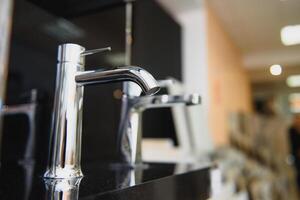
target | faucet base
[{"x": 63, "y": 173}]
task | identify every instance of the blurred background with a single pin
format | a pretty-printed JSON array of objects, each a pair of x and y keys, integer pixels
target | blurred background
[{"x": 241, "y": 56}]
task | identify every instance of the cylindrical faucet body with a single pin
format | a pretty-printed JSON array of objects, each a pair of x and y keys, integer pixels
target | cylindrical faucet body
[{"x": 67, "y": 115}]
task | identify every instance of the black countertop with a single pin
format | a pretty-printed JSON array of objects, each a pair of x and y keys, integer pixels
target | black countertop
[{"x": 23, "y": 181}]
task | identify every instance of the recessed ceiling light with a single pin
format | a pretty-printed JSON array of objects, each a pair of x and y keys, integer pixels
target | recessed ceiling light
[
  {"x": 290, "y": 35},
  {"x": 293, "y": 81},
  {"x": 275, "y": 70}
]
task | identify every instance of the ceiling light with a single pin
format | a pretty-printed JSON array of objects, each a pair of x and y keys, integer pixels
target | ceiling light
[
  {"x": 275, "y": 70},
  {"x": 293, "y": 81},
  {"x": 290, "y": 35}
]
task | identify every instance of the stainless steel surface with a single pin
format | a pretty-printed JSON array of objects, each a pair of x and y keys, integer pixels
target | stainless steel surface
[
  {"x": 93, "y": 51},
  {"x": 62, "y": 189},
  {"x": 129, "y": 73},
  {"x": 130, "y": 131},
  {"x": 65, "y": 153},
  {"x": 159, "y": 101}
]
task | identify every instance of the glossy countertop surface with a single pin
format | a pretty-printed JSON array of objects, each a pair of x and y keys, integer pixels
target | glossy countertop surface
[{"x": 24, "y": 181}]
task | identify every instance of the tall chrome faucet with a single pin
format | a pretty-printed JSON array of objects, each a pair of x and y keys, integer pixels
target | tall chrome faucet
[
  {"x": 130, "y": 130},
  {"x": 65, "y": 153}
]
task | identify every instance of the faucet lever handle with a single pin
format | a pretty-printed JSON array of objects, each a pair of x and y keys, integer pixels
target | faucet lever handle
[{"x": 93, "y": 51}]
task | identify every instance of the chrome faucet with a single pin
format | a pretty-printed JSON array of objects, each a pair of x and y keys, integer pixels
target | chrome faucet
[
  {"x": 65, "y": 152},
  {"x": 130, "y": 130},
  {"x": 62, "y": 189}
]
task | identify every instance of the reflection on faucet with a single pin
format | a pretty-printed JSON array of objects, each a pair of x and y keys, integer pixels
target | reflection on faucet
[
  {"x": 67, "y": 115},
  {"x": 62, "y": 189},
  {"x": 130, "y": 130},
  {"x": 129, "y": 177}
]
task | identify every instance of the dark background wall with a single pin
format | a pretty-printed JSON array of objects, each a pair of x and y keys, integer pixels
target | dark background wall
[{"x": 40, "y": 26}]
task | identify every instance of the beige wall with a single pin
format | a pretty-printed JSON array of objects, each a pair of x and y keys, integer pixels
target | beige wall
[{"x": 229, "y": 86}]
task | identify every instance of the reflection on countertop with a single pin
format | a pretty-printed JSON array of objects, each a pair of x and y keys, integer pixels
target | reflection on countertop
[{"x": 106, "y": 181}]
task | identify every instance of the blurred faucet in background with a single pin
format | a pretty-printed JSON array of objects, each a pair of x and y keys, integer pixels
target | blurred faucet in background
[
  {"x": 130, "y": 130},
  {"x": 65, "y": 153}
]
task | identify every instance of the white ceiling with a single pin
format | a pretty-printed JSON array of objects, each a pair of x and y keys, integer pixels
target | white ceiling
[{"x": 254, "y": 26}]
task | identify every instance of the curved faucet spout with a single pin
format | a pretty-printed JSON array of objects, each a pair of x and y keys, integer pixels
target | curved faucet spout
[{"x": 129, "y": 73}]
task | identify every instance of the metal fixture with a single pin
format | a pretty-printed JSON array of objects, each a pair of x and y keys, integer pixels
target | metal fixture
[
  {"x": 62, "y": 189},
  {"x": 65, "y": 153},
  {"x": 130, "y": 130}
]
